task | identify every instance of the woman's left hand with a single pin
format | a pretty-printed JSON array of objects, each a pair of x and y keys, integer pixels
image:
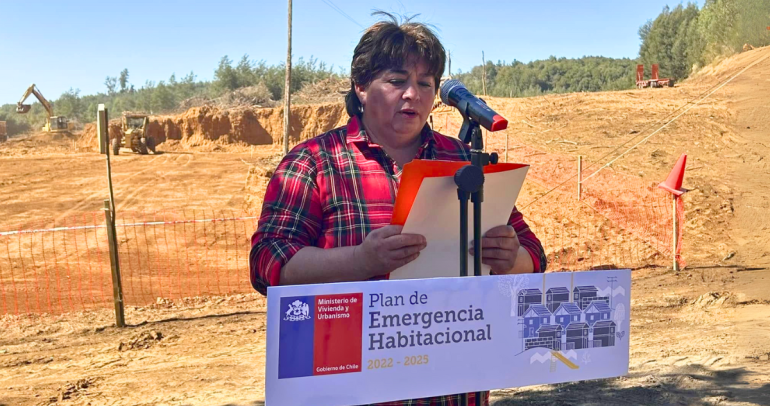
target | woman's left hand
[{"x": 499, "y": 249}]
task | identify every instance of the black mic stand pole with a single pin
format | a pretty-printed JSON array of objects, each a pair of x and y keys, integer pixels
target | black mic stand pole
[{"x": 470, "y": 183}]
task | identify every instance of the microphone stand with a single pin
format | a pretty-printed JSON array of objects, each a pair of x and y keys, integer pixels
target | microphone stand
[{"x": 470, "y": 183}]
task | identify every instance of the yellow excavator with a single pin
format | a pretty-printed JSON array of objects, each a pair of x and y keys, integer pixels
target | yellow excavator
[{"x": 53, "y": 124}]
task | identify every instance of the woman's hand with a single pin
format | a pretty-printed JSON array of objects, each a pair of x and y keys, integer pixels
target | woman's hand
[
  {"x": 386, "y": 249},
  {"x": 500, "y": 249}
]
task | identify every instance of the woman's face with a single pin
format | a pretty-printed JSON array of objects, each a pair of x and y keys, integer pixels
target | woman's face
[{"x": 398, "y": 101}]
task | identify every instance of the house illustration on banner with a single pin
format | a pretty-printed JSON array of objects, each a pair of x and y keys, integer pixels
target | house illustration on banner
[
  {"x": 604, "y": 334},
  {"x": 548, "y": 336},
  {"x": 577, "y": 336},
  {"x": 554, "y": 297},
  {"x": 597, "y": 311},
  {"x": 561, "y": 323},
  {"x": 567, "y": 313},
  {"x": 584, "y": 295},
  {"x": 536, "y": 316},
  {"x": 528, "y": 297}
]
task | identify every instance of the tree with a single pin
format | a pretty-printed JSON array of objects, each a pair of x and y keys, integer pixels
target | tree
[
  {"x": 244, "y": 73},
  {"x": 754, "y": 17},
  {"x": 111, "y": 83},
  {"x": 162, "y": 98},
  {"x": 70, "y": 105},
  {"x": 552, "y": 75},
  {"x": 717, "y": 25},
  {"x": 685, "y": 38},
  {"x": 123, "y": 80},
  {"x": 166, "y": 95},
  {"x": 186, "y": 87},
  {"x": 225, "y": 77}
]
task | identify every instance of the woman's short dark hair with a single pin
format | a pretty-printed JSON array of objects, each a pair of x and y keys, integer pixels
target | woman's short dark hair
[{"x": 388, "y": 45}]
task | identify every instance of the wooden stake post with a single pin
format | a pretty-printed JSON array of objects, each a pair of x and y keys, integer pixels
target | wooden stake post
[
  {"x": 506, "y": 146},
  {"x": 580, "y": 176},
  {"x": 117, "y": 287},
  {"x": 484, "y": 84},
  {"x": 675, "y": 239},
  {"x": 102, "y": 129},
  {"x": 287, "y": 93}
]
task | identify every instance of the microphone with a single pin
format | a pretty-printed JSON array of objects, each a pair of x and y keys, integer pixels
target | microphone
[{"x": 454, "y": 93}]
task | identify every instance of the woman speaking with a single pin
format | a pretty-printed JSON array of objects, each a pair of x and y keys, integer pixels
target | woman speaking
[{"x": 327, "y": 209}]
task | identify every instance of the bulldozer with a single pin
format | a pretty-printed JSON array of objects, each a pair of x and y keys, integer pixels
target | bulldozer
[
  {"x": 134, "y": 130},
  {"x": 53, "y": 124}
]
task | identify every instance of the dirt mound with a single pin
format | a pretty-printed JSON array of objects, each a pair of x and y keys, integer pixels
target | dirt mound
[
  {"x": 141, "y": 341},
  {"x": 252, "y": 126},
  {"x": 88, "y": 139},
  {"x": 728, "y": 67},
  {"x": 200, "y": 126},
  {"x": 711, "y": 299},
  {"x": 258, "y": 96},
  {"x": 721, "y": 135},
  {"x": 39, "y": 144},
  {"x": 256, "y": 182},
  {"x": 250, "y": 96},
  {"x": 330, "y": 90},
  {"x": 71, "y": 390}
]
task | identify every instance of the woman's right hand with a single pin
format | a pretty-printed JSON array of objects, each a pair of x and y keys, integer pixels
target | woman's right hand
[{"x": 386, "y": 249}]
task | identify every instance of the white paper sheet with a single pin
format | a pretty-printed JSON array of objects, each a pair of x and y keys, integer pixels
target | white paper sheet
[{"x": 435, "y": 214}]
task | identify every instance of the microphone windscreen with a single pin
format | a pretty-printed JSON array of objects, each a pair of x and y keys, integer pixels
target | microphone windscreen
[{"x": 447, "y": 87}]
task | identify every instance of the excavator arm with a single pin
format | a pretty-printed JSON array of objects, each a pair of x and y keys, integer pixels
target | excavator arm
[
  {"x": 53, "y": 123},
  {"x": 22, "y": 108}
]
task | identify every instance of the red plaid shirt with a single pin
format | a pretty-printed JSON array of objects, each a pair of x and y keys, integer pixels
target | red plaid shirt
[{"x": 332, "y": 190}]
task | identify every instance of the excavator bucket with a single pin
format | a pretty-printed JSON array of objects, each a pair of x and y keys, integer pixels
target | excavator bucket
[{"x": 23, "y": 108}]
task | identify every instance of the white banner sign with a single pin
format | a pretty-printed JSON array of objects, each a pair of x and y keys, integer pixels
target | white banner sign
[{"x": 365, "y": 342}]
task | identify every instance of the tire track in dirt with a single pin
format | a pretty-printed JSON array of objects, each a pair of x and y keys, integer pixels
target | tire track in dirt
[
  {"x": 131, "y": 198},
  {"x": 749, "y": 174},
  {"x": 89, "y": 199}
]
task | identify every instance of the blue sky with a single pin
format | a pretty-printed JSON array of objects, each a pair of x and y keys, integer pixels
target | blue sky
[{"x": 77, "y": 43}]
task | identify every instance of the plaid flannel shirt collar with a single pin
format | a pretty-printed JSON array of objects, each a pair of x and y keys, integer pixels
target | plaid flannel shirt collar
[{"x": 356, "y": 134}]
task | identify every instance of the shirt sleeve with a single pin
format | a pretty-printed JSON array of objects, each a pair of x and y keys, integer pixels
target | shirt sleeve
[
  {"x": 290, "y": 218},
  {"x": 528, "y": 240}
]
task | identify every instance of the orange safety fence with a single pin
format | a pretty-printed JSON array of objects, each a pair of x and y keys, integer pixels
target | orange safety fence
[
  {"x": 577, "y": 237},
  {"x": 640, "y": 209},
  {"x": 64, "y": 266}
]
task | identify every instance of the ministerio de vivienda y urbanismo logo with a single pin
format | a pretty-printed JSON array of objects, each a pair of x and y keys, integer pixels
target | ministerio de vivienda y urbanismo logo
[
  {"x": 320, "y": 335},
  {"x": 298, "y": 311}
]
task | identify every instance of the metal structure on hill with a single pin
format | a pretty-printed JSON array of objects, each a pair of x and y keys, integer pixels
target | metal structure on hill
[{"x": 655, "y": 81}]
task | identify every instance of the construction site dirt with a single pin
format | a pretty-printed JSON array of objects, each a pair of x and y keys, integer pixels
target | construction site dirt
[{"x": 699, "y": 336}]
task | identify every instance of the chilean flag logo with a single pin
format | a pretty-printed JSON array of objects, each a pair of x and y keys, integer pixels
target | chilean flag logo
[{"x": 320, "y": 335}]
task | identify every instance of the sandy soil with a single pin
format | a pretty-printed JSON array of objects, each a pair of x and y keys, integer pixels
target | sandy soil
[
  {"x": 700, "y": 337},
  {"x": 56, "y": 181}
]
